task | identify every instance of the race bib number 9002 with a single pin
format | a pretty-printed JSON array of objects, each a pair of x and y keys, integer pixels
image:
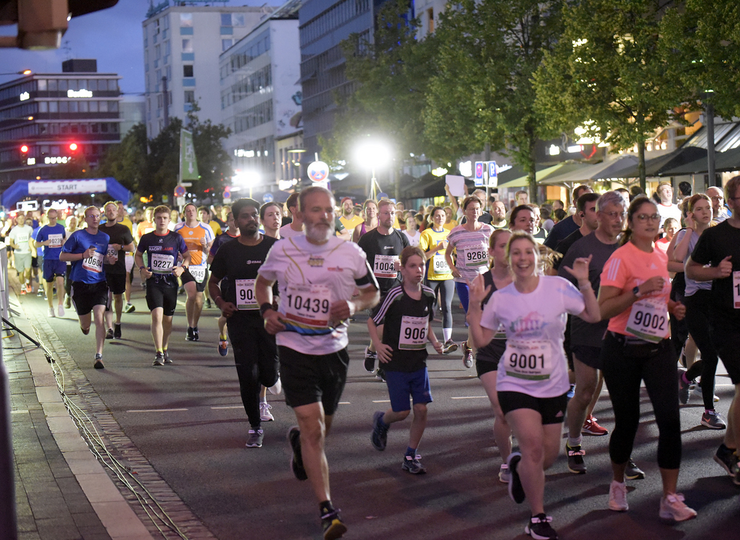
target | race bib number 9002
[{"x": 648, "y": 320}]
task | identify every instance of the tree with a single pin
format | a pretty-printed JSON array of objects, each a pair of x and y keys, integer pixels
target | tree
[
  {"x": 127, "y": 162},
  {"x": 482, "y": 92},
  {"x": 214, "y": 162},
  {"x": 610, "y": 74}
]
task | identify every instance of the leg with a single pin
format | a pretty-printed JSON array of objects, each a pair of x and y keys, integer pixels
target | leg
[
  {"x": 418, "y": 424},
  {"x": 586, "y": 378},
  {"x": 85, "y": 321},
  {"x": 313, "y": 425},
  {"x": 191, "y": 293},
  {"x": 118, "y": 306},
  {"x": 528, "y": 430},
  {"x": 99, "y": 314},
  {"x": 247, "y": 370},
  {"x": 49, "y": 289},
  {"x": 166, "y": 331},
  {"x": 597, "y": 393},
  {"x": 157, "y": 328},
  {"x": 60, "y": 290},
  {"x": 501, "y": 428}
]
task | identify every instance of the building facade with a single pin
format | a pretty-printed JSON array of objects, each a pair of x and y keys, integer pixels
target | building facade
[
  {"x": 182, "y": 43},
  {"x": 48, "y": 119},
  {"x": 261, "y": 98}
]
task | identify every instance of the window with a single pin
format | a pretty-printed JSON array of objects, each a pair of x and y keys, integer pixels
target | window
[
  {"x": 186, "y": 20},
  {"x": 113, "y": 85},
  {"x": 82, "y": 106},
  {"x": 64, "y": 106},
  {"x": 42, "y": 85},
  {"x": 92, "y": 85},
  {"x": 237, "y": 19},
  {"x": 226, "y": 19},
  {"x": 62, "y": 84},
  {"x": 189, "y": 96},
  {"x": 73, "y": 106},
  {"x": 103, "y": 106},
  {"x": 187, "y": 70},
  {"x": 226, "y": 43},
  {"x": 93, "y": 106},
  {"x": 430, "y": 25},
  {"x": 112, "y": 106},
  {"x": 53, "y": 85},
  {"x": 157, "y": 52},
  {"x": 187, "y": 45},
  {"x": 53, "y": 107}
]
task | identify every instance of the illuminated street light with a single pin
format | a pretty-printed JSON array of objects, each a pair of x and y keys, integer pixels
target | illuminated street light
[
  {"x": 23, "y": 72},
  {"x": 373, "y": 154},
  {"x": 247, "y": 179}
]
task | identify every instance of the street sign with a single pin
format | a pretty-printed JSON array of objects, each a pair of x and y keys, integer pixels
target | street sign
[
  {"x": 267, "y": 197},
  {"x": 318, "y": 171},
  {"x": 180, "y": 191},
  {"x": 479, "y": 171},
  {"x": 492, "y": 174}
]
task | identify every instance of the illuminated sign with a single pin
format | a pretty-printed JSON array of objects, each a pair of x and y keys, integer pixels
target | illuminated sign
[
  {"x": 82, "y": 93},
  {"x": 25, "y": 95},
  {"x": 64, "y": 187},
  {"x": 243, "y": 153},
  {"x": 31, "y": 161},
  {"x": 55, "y": 160}
]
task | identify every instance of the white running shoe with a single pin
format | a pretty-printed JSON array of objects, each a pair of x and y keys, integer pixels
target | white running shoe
[
  {"x": 265, "y": 414},
  {"x": 618, "y": 497},
  {"x": 673, "y": 507},
  {"x": 60, "y": 310},
  {"x": 51, "y": 312}
]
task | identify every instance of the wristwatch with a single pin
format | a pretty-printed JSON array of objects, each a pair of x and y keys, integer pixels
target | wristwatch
[{"x": 636, "y": 292}]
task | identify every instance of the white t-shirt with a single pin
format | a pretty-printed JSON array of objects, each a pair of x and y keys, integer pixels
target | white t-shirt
[
  {"x": 310, "y": 279},
  {"x": 534, "y": 362},
  {"x": 670, "y": 211},
  {"x": 20, "y": 235},
  {"x": 413, "y": 240},
  {"x": 286, "y": 231}
]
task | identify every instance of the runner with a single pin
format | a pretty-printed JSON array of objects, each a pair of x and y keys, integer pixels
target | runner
[
  {"x": 409, "y": 310},
  {"x": 162, "y": 247},
  {"x": 86, "y": 250},
  {"x": 719, "y": 247},
  {"x": 370, "y": 221},
  {"x": 123, "y": 219},
  {"x": 121, "y": 242},
  {"x": 317, "y": 274},
  {"x": 634, "y": 295},
  {"x": 487, "y": 358},
  {"x": 52, "y": 237},
  {"x": 348, "y": 217},
  {"x": 270, "y": 216},
  {"x": 469, "y": 242},
  {"x": 433, "y": 242},
  {"x": 383, "y": 246},
  {"x": 231, "y": 233},
  {"x": 295, "y": 227},
  {"x": 235, "y": 267},
  {"x": 19, "y": 240},
  {"x": 198, "y": 237},
  {"x": 568, "y": 225},
  {"x": 533, "y": 376}
]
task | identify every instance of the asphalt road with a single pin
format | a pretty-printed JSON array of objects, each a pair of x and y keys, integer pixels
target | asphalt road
[{"x": 187, "y": 421}]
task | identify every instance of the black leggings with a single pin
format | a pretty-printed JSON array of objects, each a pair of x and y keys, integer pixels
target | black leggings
[
  {"x": 446, "y": 290},
  {"x": 623, "y": 375},
  {"x": 698, "y": 307}
]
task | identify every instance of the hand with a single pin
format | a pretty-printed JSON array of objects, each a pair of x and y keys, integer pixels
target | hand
[
  {"x": 227, "y": 309},
  {"x": 397, "y": 265},
  {"x": 725, "y": 267},
  {"x": 654, "y": 284},
  {"x": 116, "y": 247},
  {"x": 580, "y": 268},
  {"x": 438, "y": 347},
  {"x": 679, "y": 311},
  {"x": 689, "y": 221},
  {"x": 178, "y": 271},
  {"x": 145, "y": 273},
  {"x": 455, "y": 272},
  {"x": 385, "y": 353},
  {"x": 341, "y": 310},
  {"x": 476, "y": 291},
  {"x": 272, "y": 322},
  {"x": 89, "y": 252},
  {"x": 442, "y": 245}
]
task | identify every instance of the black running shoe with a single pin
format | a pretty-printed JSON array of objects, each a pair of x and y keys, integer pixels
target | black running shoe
[
  {"x": 189, "y": 336},
  {"x": 158, "y": 359},
  {"x": 726, "y": 458},
  {"x": 379, "y": 436},
  {"x": 516, "y": 491},
  {"x": 296, "y": 461},
  {"x": 333, "y": 526},
  {"x": 196, "y": 337},
  {"x": 575, "y": 454},
  {"x": 370, "y": 357},
  {"x": 633, "y": 472},
  {"x": 540, "y": 529},
  {"x": 98, "y": 361},
  {"x": 109, "y": 334}
]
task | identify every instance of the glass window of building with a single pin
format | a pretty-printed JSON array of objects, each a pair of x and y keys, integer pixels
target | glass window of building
[
  {"x": 187, "y": 45},
  {"x": 226, "y": 43},
  {"x": 187, "y": 70},
  {"x": 43, "y": 106},
  {"x": 62, "y": 84},
  {"x": 53, "y": 107},
  {"x": 237, "y": 19},
  {"x": 226, "y": 19},
  {"x": 93, "y": 106},
  {"x": 53, "y": 85},
  {"x": 103, "y": 106},
  {"x": 186, "y": 20},
  {"x": 41, "y": 85},
  {"x": 189, "y": 96}
]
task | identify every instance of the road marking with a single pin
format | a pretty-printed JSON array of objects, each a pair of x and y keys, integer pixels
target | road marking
[
  {"x": 19, "y": 412},
  {"x": 381, "y": 401},
  {"x": 469, "y": 397},
  {"x": 155, "y": 410},
  {"x": 227, "y": 407},
  {"x": 344, "y": 403}
]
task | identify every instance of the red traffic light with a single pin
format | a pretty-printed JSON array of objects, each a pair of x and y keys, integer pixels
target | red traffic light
[
  {"x": 73, "y": 147},
  {"x": 24, "y": 149}
]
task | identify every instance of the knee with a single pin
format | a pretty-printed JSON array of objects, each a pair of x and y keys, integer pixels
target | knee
[
  {"x": 584, "y": 393},
  {"x": 420, "y": 411}
]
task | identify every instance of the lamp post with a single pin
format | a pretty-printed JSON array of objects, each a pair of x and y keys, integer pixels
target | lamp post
[{"x": 372, "y": 154}]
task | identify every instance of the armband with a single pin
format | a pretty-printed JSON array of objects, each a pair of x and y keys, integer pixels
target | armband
[{"x": 264, "y": 307}]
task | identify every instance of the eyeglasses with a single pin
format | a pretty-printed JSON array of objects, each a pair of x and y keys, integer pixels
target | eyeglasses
[
  {"x": 644, "y": 217},
  {"x": 612, "y": 215}
]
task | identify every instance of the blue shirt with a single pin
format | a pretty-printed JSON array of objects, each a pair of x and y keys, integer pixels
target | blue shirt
[
  {"x": 56, "y": 234},
  {"x": 88, "y": 270}
]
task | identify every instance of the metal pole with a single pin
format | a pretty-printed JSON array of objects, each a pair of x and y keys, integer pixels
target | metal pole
[
  {"x": 711, "y": 176},
  {"x": 8, "y": 520}
]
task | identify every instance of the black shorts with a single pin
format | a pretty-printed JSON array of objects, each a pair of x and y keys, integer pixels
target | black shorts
[
  {"x": 487, "y": 358},
  {"x": 88, "y": 295},
  {"x": 311, "y": 378},
  {"x": 485, "y": 366},
  {"x": 116, "y": 282},
  {"x": 726, "y": 337},
  {"x": 35, "y": 262},
  {"x": 161, "y": 295},
  {"x": 588, "y": 355},
  {"x": 552, "y": 409},
  {"x": 187, "y": 277}
]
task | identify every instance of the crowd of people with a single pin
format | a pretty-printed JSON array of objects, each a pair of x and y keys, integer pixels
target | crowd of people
[{"x": 623, "y": 289}]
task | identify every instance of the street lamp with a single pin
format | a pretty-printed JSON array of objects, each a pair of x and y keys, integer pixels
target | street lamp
[
  {"x": 23, "y": 72},
  {"x": 246, "y": 179},
  {"x": 372, "y": 154}
]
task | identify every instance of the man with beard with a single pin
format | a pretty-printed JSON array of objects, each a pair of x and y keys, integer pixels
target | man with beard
[
  {"x": 121, "y": 242},
  {"x": 317, "y": 274}
]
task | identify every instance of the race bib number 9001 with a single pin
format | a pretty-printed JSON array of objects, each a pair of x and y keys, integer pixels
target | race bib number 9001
[{"x": 529, "y": 360}]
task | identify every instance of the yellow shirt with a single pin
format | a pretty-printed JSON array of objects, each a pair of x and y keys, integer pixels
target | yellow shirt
[
  {"x": 451, "y": 225},
  {"x": 216, "y": 228},
  {"x": 352, "y": 222},
  {"x": 438, "y": 269}
]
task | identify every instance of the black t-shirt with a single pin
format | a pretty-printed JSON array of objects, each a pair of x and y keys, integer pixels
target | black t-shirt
[
  {"x": 560, "y": 231},
  {"x": 713, "y": 246},
  {"x": 564, "y": 245},
  {"x": 162, "y": 252},
  {"x": 236, "y": 265},
  {"x": 380, "y": 249},
  {"x": 119, "y": 234},
  {"x": 495, "y": 348},
  {"x": 406, "y": 325}
]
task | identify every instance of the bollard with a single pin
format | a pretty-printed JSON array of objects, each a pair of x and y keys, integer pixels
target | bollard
[{"x": 8, "y": 519}]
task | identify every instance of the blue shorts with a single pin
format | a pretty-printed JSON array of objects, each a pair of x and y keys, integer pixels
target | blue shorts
[
  {"x": 54, "y": 268},
  {"x": 402, "y": 385}
]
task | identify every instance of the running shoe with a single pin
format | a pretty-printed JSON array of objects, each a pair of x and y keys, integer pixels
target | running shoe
[
  {"x": 332, "y": 525},
  {"x": 51, "y": 312},
  {"x": 467, "y": 355},
  {"x": 575, "y": 455},
  {"x": 618, "y": 497},
  {"x": 726, "y": 457},
  {"x": 129, "y": 308},
  {"x": 98, "y": 361},
  {"x": 85, "y": 331},
  {"x": 29, "y": 289},
  {"x": 590, "y": 427},
  {"x": 540, "y": 529},
  {"x": 504, "y": 476},
  {"x": 413, "y": 465},
  {"x": 265, "y": 414},
  {"x": 516, "y": 491},
  {"x": 380, "y": 374},
  {"x": 68, "y": 302},
  {"x": 208, "y": 303},
  {"x": 167, "y": 359},
  {"x": 571, "y": 392},
  {"x": 276, "y": 388},
  {"x": 158, "y": 359},
  {"x": 117, "y": 330},
  {"x": 713, "y": 420},
  {"x": 370, "y": 357},
  {"x": 379, "y": 436},
  {"x": 449, "y": 347},
  {"x": 684, "y": 388},
  {"x": 41, "y": 294},
  {"x": 109, "y": 334},
  {"x": 223, "y": 347},
  {"x": 23, "y": 290},
  {"x": 296, "y": 460},
  {"x": 633, "y": 472},
  {"x": 672, "y": 507},
  {"x": 189, "y": 336},
  {"x": 196, "y": 337},
  {"x": 60, "y": 310},
  {"x": 254, "y": 440}
]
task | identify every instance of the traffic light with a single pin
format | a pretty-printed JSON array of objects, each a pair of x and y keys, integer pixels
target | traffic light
[
  {"x": 73, "y": 147},
  {"x": 24, "y": 149}
]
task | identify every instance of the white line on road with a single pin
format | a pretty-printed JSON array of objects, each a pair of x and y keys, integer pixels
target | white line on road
[
  {"x": 381, "y": 401},
  {"x": 469, "y": 397},
  {"x": 227, "y": 407},
  {"x": 155, "y": 410}
]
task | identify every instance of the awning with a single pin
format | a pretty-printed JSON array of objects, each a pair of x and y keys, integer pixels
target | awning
[
  {"x": 598, "y": 171},
  {"x": 564, "y": 174},
  {"x": 654, "y": 167},
  {"x": 723, "y": 161},
  {"x": 523, "y": 181}
]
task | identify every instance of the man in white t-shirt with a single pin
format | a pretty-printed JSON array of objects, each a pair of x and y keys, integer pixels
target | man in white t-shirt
[
  {"x": 295, "y": 227},
  {"x": 19, "y": 237},
  {"x": 317, "y": 274},
  {"x": 666, "y": 208}
]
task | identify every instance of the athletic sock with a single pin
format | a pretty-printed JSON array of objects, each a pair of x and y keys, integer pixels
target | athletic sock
[
  {"x": 447, "y": 334},
  {"x": 573, "y": 442},
  {"x": 411, "y": 452}
]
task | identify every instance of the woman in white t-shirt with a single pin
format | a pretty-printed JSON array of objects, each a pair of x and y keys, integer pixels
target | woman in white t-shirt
[
  {"x": 532, "y": 380},
  {"x": 412, "y": 230}
]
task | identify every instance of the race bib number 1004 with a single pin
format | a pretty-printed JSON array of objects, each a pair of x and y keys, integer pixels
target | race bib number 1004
[{"x": 384, "y": 266}]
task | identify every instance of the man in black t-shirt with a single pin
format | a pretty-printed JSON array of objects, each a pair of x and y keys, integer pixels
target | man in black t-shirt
[
  {"x": 716, "y": 258},
  {"x": 383, "y": 246},
  {"x": 563, "y": 228},
  {"x": 121, "y": 241},
  {"x": 235, "y": 266}
]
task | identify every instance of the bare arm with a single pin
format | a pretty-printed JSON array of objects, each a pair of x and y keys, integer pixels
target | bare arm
[
  {"x": 613, "y": 301},
  {"x": 385, "y": 352},
  {"x": 698, "y": 272},
  {"x": 481, "y": 336},
  {"x": 263, "y": 294}
]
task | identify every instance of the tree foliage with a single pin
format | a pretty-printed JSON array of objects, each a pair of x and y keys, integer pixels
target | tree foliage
[{"x": 127, "y": 162}]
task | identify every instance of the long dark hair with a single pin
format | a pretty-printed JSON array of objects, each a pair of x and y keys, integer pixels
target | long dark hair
[{"x": 631, "y": 211}]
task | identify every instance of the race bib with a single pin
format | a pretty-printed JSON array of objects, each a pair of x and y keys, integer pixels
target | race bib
[
  {"x": 648, "y": 320},
  {"x": 307, "y": 309},
  {"x": 384, "y": 266},
  {"x": 413, "y": 336},
  {"x": 94, "y": 263},
  {"x": 112, "y": 254},
  {"x": 161, "y": 263},
  {"x": 439, "y": 263},
  {"x": 736, "y": 289},
  {"x": 475, "y": 257},
  {"x": 55, "y": 240},
  {"x": 245, "y": 294},
  {"x": 529, "y": 360},
  {"x": 198, "y": 272}
]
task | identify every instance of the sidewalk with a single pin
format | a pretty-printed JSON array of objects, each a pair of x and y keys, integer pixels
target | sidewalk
[{"x": 62, "y": 491}]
